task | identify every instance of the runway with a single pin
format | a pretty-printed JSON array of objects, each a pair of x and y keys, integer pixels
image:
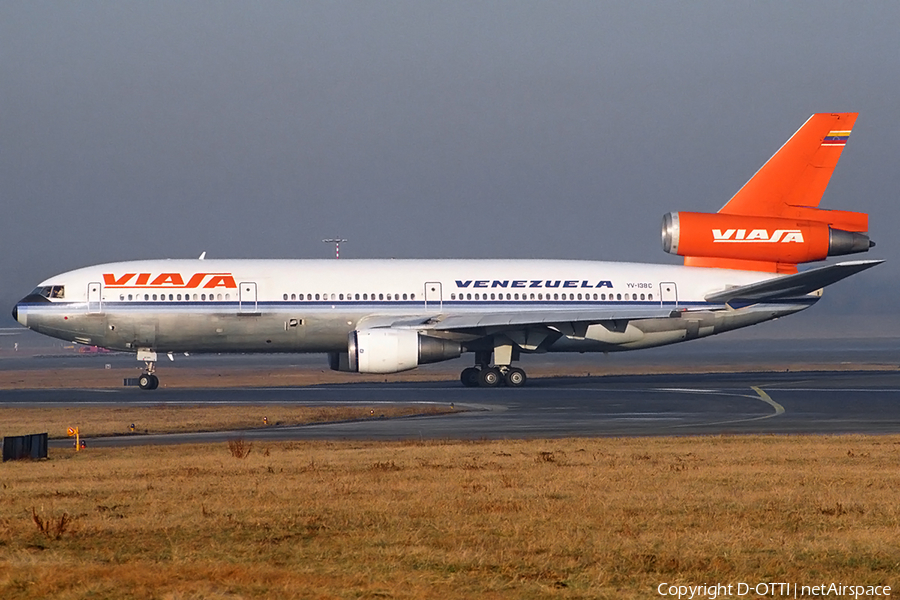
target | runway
[{"x": 834, "y": 402}]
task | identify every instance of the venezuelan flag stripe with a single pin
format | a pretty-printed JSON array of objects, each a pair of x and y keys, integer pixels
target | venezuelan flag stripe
[{"x": 836, "y": 137}]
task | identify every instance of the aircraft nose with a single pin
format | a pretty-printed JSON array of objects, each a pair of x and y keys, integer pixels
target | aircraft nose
[{"x": 21, "y": 317}]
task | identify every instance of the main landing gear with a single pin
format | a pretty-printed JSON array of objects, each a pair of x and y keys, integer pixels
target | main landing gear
[{"x": 485, "y": 376}]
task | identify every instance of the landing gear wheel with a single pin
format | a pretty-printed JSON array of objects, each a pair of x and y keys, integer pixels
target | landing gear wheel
[
  {"x": 515, "y": 377},
  {"x": 490, "y": 377},
  {"x": 148, "y": 381},
  {"x": 470, "y": 377}
]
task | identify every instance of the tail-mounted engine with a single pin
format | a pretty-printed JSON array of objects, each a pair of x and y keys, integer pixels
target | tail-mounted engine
[
  {"x": 773, "y": 223},
  {"x": 770, "y": 239},
  {"x": 391, "y": 351}
]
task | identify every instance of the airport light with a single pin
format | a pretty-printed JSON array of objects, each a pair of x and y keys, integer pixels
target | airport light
[{"x": 337, "y": 245}]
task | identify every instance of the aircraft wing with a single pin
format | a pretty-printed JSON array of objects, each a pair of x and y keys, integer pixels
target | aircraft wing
[
  {"x": 791, "y": 286},
  {"x": 518, "y": 319}
]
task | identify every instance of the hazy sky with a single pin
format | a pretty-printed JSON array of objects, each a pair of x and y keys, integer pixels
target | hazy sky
[{"x": 422, "y": 129}]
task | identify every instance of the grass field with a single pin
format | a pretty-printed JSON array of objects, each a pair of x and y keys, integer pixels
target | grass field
[
  {"x": 94, "y": 421},
  {"x": 583, "y": 518}
]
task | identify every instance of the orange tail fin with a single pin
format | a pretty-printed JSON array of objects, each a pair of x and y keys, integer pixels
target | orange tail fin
[
  {"x": 797, "y": 175},
  {"x": 790, "y": 186}
]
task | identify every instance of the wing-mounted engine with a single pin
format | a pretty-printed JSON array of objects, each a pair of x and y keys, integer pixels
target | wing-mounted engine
[{"x": 384, "y": 350}]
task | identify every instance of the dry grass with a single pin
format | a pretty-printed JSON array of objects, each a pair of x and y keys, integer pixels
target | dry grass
[
  {"x": 94, "y": 421},
  {"x": 585, "y": 518}
]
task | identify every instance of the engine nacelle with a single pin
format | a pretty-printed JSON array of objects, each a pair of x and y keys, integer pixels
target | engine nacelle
[
  {"x": 771, "y": 239},
  {"x": 391, "y": 351}
]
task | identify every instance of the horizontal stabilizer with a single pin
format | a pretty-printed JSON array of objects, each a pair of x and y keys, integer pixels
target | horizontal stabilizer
[{"x": 792, "y": 286}]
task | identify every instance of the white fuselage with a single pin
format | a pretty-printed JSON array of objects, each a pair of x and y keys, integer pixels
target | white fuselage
[{"x": 312, "y": 305}]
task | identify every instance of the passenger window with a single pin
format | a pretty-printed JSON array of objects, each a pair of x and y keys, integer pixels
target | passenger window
[
  {"x": 121, "y": 296},
  {"x": 129, "y": 296},
  {"x": 228, "y": 296},
  {"x": 356, "y": 297},
  {"x": 649, "y": 296},
  {"x": 218, "y": 297},
  {"x": 412, "y": 296},
  {"x": 381, "y": 296},
  {"x": 618, "y": 296},
  {"x": 642, "y": 296}
]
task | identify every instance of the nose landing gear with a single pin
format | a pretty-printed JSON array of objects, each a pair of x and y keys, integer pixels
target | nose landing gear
[{"x": 147, "y": 380}]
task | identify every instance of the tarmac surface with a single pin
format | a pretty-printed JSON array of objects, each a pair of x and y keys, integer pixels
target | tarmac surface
[{"x": 830, "y": 402}]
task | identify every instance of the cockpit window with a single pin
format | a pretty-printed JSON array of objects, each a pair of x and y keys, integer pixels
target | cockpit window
[{"x": 51, "y": 291}]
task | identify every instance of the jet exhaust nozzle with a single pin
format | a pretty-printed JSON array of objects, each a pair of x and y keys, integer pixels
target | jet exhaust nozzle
[{"x": 842, "y": 242}]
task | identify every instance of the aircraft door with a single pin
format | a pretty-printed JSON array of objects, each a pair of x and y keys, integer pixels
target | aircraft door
[
  {"x": 668, "y": 293},
  {"x": 247, "y": 297},
  {"x": 95, "y": 297},
  {"x": 433, "y": 294}
]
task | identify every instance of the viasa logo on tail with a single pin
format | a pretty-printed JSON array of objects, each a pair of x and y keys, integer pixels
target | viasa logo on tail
[
  {"x": 169, "y": 280},
  {"x": 784, "y": 236}
]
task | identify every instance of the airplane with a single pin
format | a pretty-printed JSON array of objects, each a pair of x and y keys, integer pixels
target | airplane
[{"x": 388, "y": 316}]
